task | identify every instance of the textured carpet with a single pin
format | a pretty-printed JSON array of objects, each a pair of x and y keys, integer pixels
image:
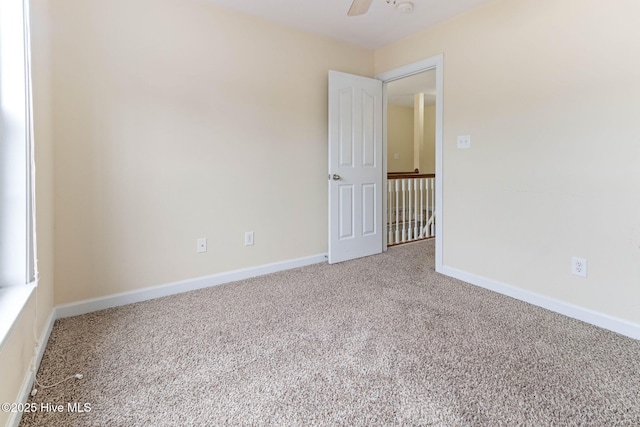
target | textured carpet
[{"x": 379, "y": 341}]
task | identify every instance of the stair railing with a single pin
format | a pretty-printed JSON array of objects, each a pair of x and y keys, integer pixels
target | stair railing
[{"x": 410, "y": 207}]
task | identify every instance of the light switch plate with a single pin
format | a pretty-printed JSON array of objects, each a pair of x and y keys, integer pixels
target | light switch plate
[
  {"x": 248, "y": 238},
  {"x": 464, "y": 141}
]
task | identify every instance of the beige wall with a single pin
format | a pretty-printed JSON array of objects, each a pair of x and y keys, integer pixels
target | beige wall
[
  {"x": 428, "y": 152},
  {"x": 178, "y": 119},
  {"x": 17, "y": 352},
  {"x": 399, "y": 138},
  {"x": 549, "y": 93},
  {"x": 15, "y": 356},
  {"x": 175, "y": 119}
]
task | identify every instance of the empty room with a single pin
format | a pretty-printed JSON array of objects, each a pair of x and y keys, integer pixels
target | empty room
[{"x": 358, "y": 213}]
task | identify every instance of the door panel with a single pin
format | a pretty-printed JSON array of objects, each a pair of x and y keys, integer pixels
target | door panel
[
  {"x": 369, "y": 136},
  {"x": 346, "y": 128},
  {"x": 368, "y": 209},
  {"x": 346, "y": 216},
  {"x": 355, "y": 170}
]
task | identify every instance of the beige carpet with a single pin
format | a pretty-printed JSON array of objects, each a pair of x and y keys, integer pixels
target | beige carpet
[{"x": 380, "y": 341}]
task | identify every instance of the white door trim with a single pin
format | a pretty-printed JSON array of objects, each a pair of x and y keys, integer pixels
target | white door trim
[{"x": 433, "y": 63}]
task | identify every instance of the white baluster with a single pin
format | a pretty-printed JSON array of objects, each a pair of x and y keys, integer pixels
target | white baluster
[
  {"x": 415, "y": 209},
  {"x": 428, "y": 226},
  {"x": 389, "y": 214},
  {"x": 397, "y": 186},
  {"x": 433, "y": 206},
  {"x": 427, "y": 196},
  {"x": 409, "y": 194},
  {"x": 421, "y": 235},
  {"x": 404, "y": 204}
]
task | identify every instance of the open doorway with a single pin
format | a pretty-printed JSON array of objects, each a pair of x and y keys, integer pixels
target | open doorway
[
  {"x": 434, "y": 65},
  {"x": 351, "y": 137},
  {"x": 411, "y": 124},
  {"x": 411, "y": 118}
]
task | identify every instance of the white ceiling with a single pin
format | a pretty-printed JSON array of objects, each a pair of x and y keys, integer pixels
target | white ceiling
[{"x": 380, "y": 26}]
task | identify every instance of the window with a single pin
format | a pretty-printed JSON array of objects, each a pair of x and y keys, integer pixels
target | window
[{"x": 17, "y": 238}]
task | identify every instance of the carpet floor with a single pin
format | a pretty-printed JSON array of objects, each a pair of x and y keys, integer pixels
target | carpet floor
[{"x": 379, "y": 341}]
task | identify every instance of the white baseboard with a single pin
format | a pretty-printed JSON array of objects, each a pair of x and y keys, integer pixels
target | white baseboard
[
  {"x": 44, "y": 338},
  {"x": 94, "y": 304},
  {"x": 115, "y": 300},
  {"x": 611, "y": 323},
  {"x": 27, "y": 383},
  {"x": 593, "y": 317}
]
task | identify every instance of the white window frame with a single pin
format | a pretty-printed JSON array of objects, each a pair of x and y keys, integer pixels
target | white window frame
[{"x": 18, "y": 266}]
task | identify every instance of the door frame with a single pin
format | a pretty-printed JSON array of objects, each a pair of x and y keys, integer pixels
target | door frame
[{"x": 432, "y": 63}]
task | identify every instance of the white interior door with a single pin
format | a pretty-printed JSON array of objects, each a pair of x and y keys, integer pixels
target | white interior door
[{"x": 355, "y": 166}]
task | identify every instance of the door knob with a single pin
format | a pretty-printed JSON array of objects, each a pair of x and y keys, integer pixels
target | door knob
[{"x": 335, "y": 177}]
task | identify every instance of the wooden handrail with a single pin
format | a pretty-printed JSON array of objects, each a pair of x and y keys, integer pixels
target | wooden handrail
[
  {"x": 416, "y": 170},
  {"x": 402, "y": 175}
]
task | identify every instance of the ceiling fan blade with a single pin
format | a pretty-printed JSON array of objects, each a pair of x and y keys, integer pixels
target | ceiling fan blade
[{"x": 359, "y": 7}]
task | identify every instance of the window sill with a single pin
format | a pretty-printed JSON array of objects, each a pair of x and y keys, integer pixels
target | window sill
[{"x": 12, "y": 301}]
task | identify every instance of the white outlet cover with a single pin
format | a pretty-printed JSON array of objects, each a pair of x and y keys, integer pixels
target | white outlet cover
[
  {"x": 201, "y": 245},
  {"x": 579, "y": 266}
]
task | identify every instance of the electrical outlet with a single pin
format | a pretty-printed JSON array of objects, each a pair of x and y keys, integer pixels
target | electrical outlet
[
  {"x": 201, "y": 245},
  {"x": 248, "y": 238},
  {"x": 579, "y": 267}
]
